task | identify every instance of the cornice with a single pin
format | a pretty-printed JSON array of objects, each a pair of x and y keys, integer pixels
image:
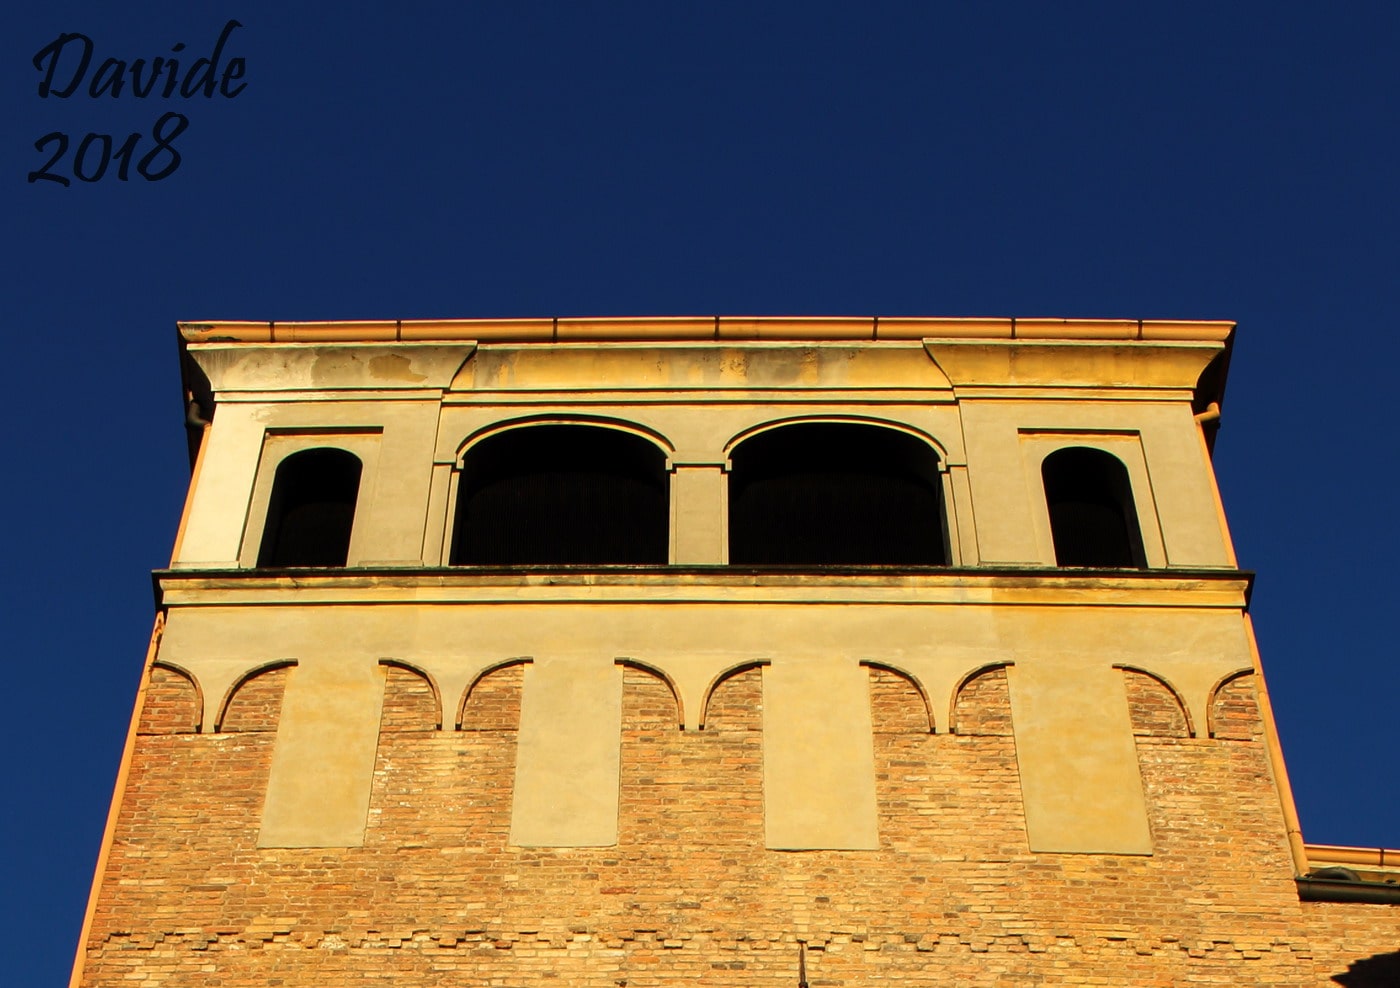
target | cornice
[
  {"x": 729, "y": 585},
  {"x": 718, "y": 328}
]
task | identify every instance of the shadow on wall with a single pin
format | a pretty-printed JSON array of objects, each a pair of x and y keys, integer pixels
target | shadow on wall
[{"x": 1380, "y": 971}]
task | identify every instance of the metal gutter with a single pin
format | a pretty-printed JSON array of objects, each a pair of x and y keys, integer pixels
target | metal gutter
[
  {"x": 1350, "y": 874},
  {"x": 1312, "y": 889},
  {"x": 1321, "y": 855}
]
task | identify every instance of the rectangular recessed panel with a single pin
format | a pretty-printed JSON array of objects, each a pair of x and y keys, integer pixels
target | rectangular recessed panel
[
  {"x": 569, "y": 755},
  {"x": 323, "y": 761},
  {"x": 1079, "y": 767},
  {"x": 818, "y": 756}
]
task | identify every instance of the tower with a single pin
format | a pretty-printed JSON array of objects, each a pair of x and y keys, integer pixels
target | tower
[{"x": 732, "y": 651}]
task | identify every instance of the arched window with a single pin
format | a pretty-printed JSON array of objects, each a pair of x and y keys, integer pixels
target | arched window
[
  {"x": 1092, "y": 518},
  {"x": 827, "y": 493},
  {"x": 312, "y": 509},
  {"x": 561, "y": 495}
]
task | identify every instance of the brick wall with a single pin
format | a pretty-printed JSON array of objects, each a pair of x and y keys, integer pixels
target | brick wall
[
  {"x": 436, "y": 896},
  {"x": 1358, "y": 946}
]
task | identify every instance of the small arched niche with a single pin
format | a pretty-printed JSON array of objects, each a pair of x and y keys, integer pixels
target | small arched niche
[
  {"x": 735, "y": 701},
  {"x": 1153, "y": 706},
  {"x": 982, "y": 704},
  {"x": 1234, "y": 709},
  {"x": 492, "y": 701},
  {"x": 173, "y": 702},
  {"x": 410, "y": 701},
  {"x": 312, "y": 509},
  {"x": 1092, "y": 517},
  {"x": 835, "y": 493},
  {"x": 562, "y": 495},
  {"x": 897, "y": 705},
  {"x": 649, "y": 701},
  {"x": 254, "y": 704}
]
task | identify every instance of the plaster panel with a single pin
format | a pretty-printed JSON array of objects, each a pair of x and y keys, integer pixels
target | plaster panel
[
  {"x": 1001, "y": 498},
  {"x": 568, "y": 758},
  {"x": 1077, "y": 363},
  {"x": 818, "y": 756},
  {"x": 962, "y": 520},
  {"x": 686, "y": 367},
  {"x": 398, "y": 508},
  {"x": 1079, "y": 768},
  {"x": 699, "y": 528},
  {"x": 436, "y": 527},
  {"x": 1184, "y": 484},
  {"x": 329, "y": 366},
  {"x": 219, "y": 501},
  {"x": 323, "y": 761}
]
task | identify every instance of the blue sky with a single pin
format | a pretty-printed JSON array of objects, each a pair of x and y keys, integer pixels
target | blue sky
[{"x": 422, "y": 160}]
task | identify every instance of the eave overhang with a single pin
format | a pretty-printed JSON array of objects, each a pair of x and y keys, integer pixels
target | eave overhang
[{"x": 565, "y": 330}]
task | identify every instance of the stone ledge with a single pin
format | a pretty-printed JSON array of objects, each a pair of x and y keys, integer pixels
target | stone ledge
[{"x": 833, "y": 585}]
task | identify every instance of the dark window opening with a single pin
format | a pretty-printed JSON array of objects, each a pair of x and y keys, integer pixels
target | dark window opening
[
  {"x": 835, "y": 494},
  {"x": 312, "y": 509},
  {"x": 563, "y": 495},
  {"x": 1092, "y": 518}
]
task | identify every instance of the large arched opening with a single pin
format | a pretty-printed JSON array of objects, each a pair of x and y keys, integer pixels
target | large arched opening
[
  {"x": 835, "y": 493},
  {"x": 562, "y": 495}
]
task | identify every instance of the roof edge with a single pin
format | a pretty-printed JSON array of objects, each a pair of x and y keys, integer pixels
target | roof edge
[{"x": 717, "y": 328}]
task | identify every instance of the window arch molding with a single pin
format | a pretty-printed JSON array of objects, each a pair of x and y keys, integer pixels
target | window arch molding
[
  {"x": 892, "y": 424},
  {"x": 557, "y": 489},
  {"x": 494, "y": 429},
  {"x": 775, "y": 505}
]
